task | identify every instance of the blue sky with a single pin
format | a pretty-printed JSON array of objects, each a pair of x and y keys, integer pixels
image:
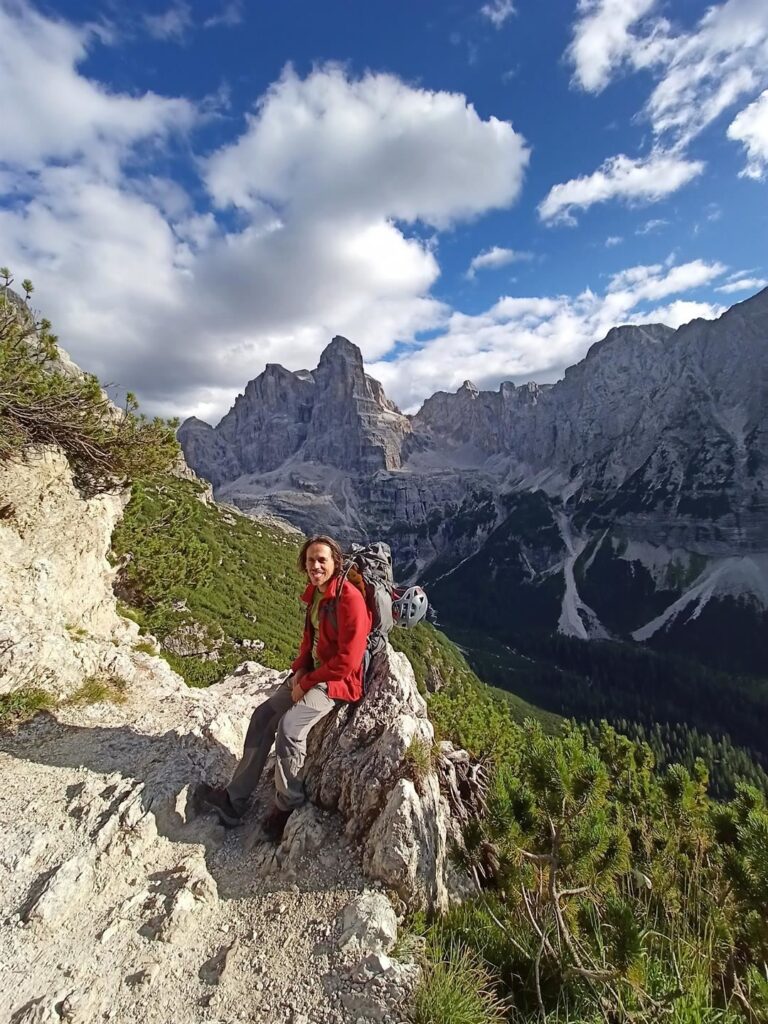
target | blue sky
[{"x": 466, "y": 190}]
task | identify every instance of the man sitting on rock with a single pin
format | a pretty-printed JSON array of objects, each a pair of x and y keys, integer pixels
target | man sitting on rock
[{"x": 328, "y": 669}]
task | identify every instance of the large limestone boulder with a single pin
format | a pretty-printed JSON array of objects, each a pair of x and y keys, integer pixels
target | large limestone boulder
[
  {"x": 361, "y": 762},
  {"x": 58, "y": 614}
]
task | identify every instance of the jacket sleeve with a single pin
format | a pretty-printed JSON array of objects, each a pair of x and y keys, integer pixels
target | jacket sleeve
[
  {"x": 354, "y": 624},
  {"x": 304, "y": 658}
]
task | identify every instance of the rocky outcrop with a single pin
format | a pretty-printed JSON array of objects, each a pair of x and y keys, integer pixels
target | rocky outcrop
[
  {"x": 359, "y": 764},
  {"x": 58, "y": 615}
]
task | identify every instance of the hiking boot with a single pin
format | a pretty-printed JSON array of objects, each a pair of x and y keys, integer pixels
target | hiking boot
[
  {"x": 217, "y": 799},
  {"x": 274, "y": 824}
]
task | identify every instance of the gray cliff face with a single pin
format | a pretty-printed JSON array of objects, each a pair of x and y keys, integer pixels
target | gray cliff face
[
  {"x": 649, "y": 462},
  {"x": 269, "y": 422},
  {"x": 469, "y": 417},
  {"x": 353, "y": 425},
  {"x": 666, "y": 427},
  {"x": 335, "y": 415}
]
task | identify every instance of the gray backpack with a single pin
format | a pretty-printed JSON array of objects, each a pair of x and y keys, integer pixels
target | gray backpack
[{"x": 369, "y": 568}]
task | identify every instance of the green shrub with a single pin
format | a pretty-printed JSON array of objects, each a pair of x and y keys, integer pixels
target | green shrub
[
  {"x": 457, "y": 990},
  {"x": 418, "y": 761},
  {"x": 21, "y": 705},
  {"x": 41, "y": 404},
  {"x": 603, "y": 883},
  {"x": 96, "y": 689}
]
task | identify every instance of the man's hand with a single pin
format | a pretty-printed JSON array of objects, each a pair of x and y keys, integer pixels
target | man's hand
[{"x": 296, "y": 691}]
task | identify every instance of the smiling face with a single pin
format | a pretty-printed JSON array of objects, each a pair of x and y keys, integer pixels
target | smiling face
[{"x": 319, "y": 565}]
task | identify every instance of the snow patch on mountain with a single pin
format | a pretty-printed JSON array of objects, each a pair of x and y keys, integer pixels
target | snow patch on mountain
[
  {"x": 576, "y": 618},
  {"x": 744, "y": 578},
  {"x": 660, "y": 561}
]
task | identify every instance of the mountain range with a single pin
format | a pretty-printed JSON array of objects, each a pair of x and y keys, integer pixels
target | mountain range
[{"x": 627, "y": 501}]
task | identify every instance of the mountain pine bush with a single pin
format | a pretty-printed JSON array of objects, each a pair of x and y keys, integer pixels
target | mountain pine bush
[
  {"x": 611, "y": 892},
  {"x": 187, "y": 565},
  {"x": 44, "y": 403}
]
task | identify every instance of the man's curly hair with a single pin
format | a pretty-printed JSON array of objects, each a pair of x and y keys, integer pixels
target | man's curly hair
[{"x": 338, "y": 557}]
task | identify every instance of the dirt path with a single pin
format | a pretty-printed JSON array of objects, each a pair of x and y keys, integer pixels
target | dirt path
[{"x": 119, "y": 904}]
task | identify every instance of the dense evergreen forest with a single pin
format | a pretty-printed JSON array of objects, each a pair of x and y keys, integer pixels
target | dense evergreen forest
[{"x": 683, "y": 709}]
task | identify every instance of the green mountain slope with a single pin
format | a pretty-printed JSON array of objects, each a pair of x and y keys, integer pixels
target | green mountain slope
[
  {"x": 199, "y": 576},
  {"x": 210, "y": 582},
  {"x": 682, "y": 708}
]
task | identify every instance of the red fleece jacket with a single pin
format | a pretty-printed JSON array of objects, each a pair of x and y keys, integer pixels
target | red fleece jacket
[{"x": 341, "y": 643}]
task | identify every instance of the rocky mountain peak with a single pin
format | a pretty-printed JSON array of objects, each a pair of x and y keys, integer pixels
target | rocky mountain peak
[
  {"x": 753, "y": 311},
  {"x": 341, "y": 353},
  {"x": 469, "y": 388},
  {"x": 275, "y": 370},
  {"x": 626, "y": 337},
  {"x": 335, "y": 415},
  {"x": 757, "y": 303},
  {"x": 193, "y": 422}
]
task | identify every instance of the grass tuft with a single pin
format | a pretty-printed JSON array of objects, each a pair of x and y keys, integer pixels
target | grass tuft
[
  {"x": 458, "y": 990},
  {"x": 419, "y": 760},
  {"x": 21, "y": 705},
  {"x": 96, "y": 689}
]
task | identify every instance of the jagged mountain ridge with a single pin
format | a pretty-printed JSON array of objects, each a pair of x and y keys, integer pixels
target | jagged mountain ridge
[
  {"x": 620, "y": 501},
  {"x": 335, "y": 414}
]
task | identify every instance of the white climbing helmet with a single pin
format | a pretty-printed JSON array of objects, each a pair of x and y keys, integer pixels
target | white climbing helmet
[{"x": 410, "y": 607}]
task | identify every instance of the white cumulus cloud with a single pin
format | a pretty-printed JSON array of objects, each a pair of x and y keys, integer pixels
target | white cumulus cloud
[
  {"x": 52, "y": 112},
  {"x": 173, "y": 23},
  {"x": 743, "y": 284},
  {"x": 641, "y": 180},
  {"x": 708, "y": 69},
  {"x": 535, "y": 338},
  {"x": 231, "y": 14},
  {"x": 375, "y": 146},
  {"x": 697, "y": 73},
  {"x": 498, "y": 11},
  {"x": 183, "y": 304},
  {"x": 657, "y": 281},
  {"x": 682, "y": 311},
  {"x": 750, "y": 127},
  {"x": 602, "y": 40},
  {"x": 654, "y": 224},
  {"x": 496, "y": 256}
]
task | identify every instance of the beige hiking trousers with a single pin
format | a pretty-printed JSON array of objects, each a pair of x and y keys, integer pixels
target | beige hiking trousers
[{"x": 286, "y": 724}]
